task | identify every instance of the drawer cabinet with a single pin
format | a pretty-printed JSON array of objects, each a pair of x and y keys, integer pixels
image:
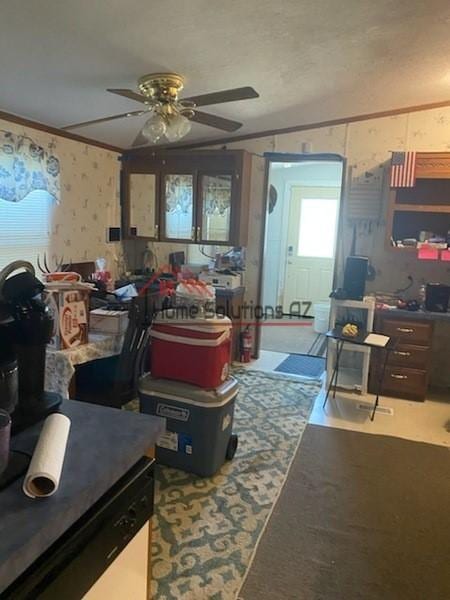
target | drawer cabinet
[
  {"x": 404, "y": 382},
  {"x": 409, "y": 332},
  {"x": 407, "y": 368},
  {"x": 410, "y": 357}
]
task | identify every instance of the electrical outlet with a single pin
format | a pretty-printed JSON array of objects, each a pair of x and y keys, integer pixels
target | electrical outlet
[{"x": 113, "y": 234}]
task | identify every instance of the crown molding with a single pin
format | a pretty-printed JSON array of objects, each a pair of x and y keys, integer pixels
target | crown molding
[
  {"x": 306, "y": 126},
  {"x": 11, "y": 118}
]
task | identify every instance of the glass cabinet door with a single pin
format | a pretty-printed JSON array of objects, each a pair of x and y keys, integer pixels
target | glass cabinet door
[
  {"x": 215, "y": 207},
  {"x": 178, "y": 207},
  {"x": 143, "y": 213}
]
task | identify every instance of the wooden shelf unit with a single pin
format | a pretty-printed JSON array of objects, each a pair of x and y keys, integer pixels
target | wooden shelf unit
[{"x": 418, "y": 208}]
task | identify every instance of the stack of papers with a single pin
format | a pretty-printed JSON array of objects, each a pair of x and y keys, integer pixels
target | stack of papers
[{"x": 377, "y": 340}]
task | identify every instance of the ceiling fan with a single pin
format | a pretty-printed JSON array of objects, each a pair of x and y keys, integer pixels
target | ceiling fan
[{"x": 171, "y": 116}]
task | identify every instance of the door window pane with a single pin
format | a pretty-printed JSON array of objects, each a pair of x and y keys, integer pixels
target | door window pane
[
  {"x": 179, "y": 206},
  {"x": 317, "y": 227},
  {"x": 216, "y": 207}
]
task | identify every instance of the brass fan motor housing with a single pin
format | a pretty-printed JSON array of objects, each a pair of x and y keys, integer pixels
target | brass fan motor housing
[{"x": 161, "y": 87}]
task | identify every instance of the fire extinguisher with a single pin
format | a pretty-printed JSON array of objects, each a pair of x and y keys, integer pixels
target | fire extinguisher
[{"x": 246, "y": 345}]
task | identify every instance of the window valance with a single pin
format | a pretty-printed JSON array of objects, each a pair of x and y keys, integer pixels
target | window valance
[{"x": 25, "y": 167}]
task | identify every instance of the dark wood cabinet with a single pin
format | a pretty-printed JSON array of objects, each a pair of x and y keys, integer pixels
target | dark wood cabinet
[
  {"x": 407, "y": 369},
  {"x": 191, "y": 197}
]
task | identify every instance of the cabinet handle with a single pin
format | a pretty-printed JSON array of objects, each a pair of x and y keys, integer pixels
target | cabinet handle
[
  {"x": 395, "y": 376},
  {"x": 156, "y": 229},
  {"x": 193, "y": 233},
  {"x": 400, "y": 353},
  {"x": 198, "y": 232},
  {"x": 405, "y": 330}
]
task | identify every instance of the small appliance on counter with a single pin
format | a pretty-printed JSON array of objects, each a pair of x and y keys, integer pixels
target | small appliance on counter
[
  {"x": 25, "y": 330},
  {"x": 355, "y": 274},
  {"x": 437, "y": 296},
  {"x": 224, "y": 278}
]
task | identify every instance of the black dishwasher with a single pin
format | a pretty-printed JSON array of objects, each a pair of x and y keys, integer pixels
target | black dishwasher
[{"x": 70, "y": 567}]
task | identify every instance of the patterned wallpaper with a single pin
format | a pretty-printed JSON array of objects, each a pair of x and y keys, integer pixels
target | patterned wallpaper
[
  {"x": 367, "y": 146},
  {"x": 89, "y": 198}
]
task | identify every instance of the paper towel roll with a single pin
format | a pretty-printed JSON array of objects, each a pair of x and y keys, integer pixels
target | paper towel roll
[{"x": 42, "y": 478}]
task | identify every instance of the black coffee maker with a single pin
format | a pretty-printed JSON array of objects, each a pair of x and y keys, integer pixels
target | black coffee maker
[{"x": 26, "y": 327}]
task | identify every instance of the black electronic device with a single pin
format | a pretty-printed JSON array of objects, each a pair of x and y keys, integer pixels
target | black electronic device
[
  {"x": 355, "y": 274},
  {"x": 437, "y": 296},
  {"x": 26, "y": 327}
]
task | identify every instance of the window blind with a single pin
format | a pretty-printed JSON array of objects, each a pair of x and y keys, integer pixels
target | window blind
[{"x": 25, "y": 228}]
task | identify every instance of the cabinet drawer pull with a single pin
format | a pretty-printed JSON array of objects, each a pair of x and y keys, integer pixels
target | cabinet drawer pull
[
  {"x": 401, "y": 353},
  {"x": 395, "y": 376},
  {"x": 405, "y": 330}
]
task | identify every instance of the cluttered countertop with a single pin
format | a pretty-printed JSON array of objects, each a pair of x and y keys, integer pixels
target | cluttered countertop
[{"x": 104, "y": 443}]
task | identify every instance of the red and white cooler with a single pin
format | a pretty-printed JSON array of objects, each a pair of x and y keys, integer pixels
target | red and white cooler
[{"x": 194, "y": 350}]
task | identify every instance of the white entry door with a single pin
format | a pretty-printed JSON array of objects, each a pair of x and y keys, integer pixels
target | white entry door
[{"x": 311, "y": 242}]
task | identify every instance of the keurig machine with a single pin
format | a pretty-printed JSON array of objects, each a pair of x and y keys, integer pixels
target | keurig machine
[{"x": 25, "y": 330}]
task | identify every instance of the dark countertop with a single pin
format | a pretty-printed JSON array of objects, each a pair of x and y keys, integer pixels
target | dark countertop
[
  {"x": 104, "y": 443},
  {"x": 415, "y": 314}
]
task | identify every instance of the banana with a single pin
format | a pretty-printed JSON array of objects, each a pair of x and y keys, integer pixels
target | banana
[{"x": 350, "y": 330}]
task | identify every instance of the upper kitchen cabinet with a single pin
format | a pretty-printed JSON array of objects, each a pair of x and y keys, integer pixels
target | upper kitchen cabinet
[{"x": 199, "y": 197}]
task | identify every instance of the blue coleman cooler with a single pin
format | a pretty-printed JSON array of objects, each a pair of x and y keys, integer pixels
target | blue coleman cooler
[{"x": 199, "y": 422}]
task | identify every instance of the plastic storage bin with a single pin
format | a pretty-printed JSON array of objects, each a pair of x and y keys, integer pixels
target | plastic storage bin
[
  {"x": 193, "y": 350},
  {"x": 199, "y": 423},
  {"x": 321, "y": 317}
]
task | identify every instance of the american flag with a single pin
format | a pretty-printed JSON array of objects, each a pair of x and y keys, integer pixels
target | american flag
[{"x": 403, "y": 169}]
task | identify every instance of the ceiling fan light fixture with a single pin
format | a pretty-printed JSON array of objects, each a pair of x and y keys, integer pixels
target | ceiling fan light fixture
[
  {"x": 154, "y": 128},
  {"x": 177, "y": 127}
]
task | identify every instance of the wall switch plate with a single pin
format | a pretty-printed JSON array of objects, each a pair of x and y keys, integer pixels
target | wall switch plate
[
  {"x": 133, "y": 231},
  {"x": 113, "y": 234}
]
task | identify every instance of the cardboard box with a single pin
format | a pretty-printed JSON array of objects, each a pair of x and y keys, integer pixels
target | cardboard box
[
  {"x": 71, "y": 313},
  {"x": 108, "y": 321}
]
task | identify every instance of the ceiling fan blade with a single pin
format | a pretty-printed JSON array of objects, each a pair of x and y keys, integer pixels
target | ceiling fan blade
[
  {"x": 215, "y": 121},
  {"x": 139, "y": 140},
  {"x": 128, "y": 94},
  {"x": 243, "y": 93},
  {"x": 136, "y": 113}
]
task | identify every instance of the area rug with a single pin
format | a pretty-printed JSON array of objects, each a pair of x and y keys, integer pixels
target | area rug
[
  {"x": 361, "y": 517},
  {"x": 303, "y": 365},
  {"x": 205, "y": 530}
]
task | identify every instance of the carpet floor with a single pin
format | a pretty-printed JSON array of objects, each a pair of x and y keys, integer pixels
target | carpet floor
[
  {"x": 205, "y": 530},
  {"x": 361, "y": 517}
]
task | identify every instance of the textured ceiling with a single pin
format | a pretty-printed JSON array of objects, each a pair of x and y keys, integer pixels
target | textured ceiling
[{"x": 310, "y": 61}]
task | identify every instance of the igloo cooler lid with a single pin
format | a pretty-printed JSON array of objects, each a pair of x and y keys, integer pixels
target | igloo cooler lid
[
  {"x": 177, "y": 318},
  {"x": 187, "y": 393}
]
